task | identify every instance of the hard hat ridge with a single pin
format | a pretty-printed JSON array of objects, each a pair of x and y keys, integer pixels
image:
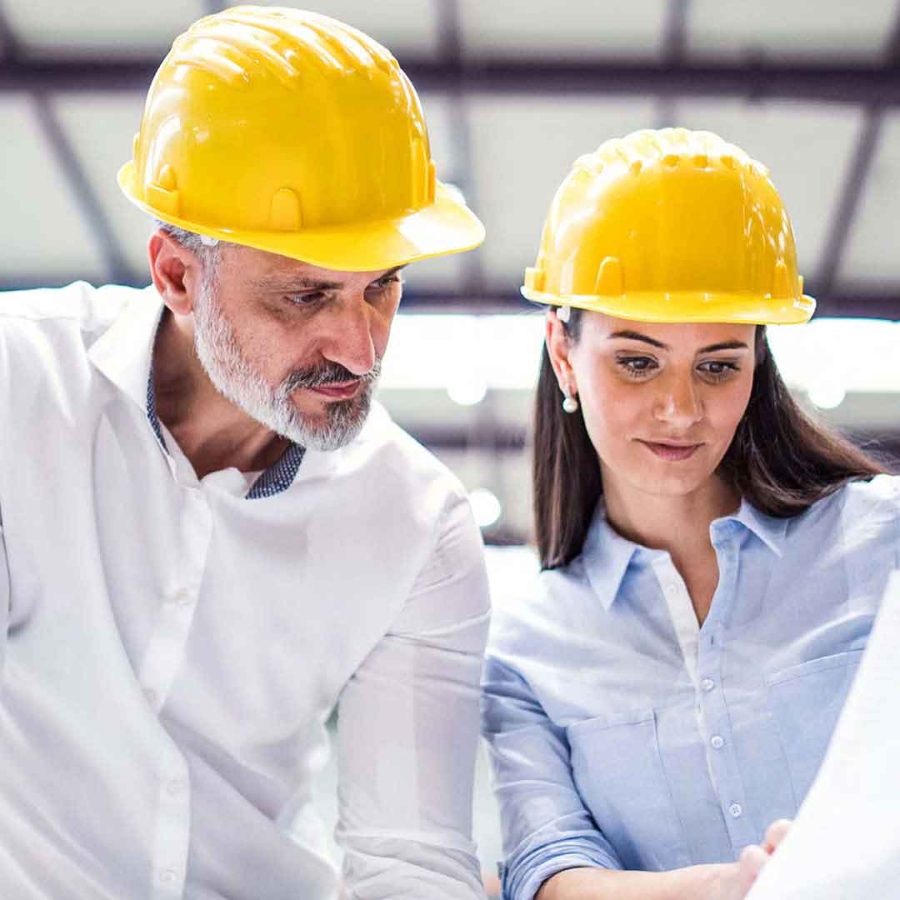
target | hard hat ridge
[{"x": 273, "y": 42}]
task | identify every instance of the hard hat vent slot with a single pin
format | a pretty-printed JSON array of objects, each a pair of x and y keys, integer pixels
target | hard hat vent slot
[
  {"x": 284, "y": 214},
  {"x": 167, "y": 179},
  {"x": 609, "y": 278},
  {"x": 163, "y": 193},
  {"x": 534, "y": 279},
  {"x": 781, "y": 286}
]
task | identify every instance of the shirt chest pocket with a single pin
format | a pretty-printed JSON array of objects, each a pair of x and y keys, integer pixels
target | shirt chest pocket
[
  {"x": 619, "y": 774},
  {"x": 806, "y": 701}
]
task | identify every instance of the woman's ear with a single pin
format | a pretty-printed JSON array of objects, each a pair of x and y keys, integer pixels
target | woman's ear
[{"x": 559, "y": 346}]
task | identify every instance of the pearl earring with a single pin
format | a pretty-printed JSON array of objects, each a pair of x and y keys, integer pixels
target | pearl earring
[{"x": 569, "y": 404}]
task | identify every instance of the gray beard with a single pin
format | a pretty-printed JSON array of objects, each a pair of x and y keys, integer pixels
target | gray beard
[{"x": 236, "y": 379}]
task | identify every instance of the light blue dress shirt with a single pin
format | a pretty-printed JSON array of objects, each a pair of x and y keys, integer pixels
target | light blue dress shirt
[{"x": 622, "y": 735}]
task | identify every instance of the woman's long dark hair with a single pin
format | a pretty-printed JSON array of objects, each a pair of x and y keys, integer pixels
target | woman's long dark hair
[{"x": 780, "y": 459}]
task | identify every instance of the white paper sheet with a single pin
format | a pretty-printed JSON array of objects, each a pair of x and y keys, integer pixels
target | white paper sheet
[{"x": 845, "y": 842}]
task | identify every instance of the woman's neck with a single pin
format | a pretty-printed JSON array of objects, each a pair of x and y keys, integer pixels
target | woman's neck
[
  {"x": 667, "y": 522},
  {"x": 678, "y": 524}
]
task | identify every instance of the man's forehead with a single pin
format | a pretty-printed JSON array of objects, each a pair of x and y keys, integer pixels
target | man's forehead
[{"x": 269, "y": 271}]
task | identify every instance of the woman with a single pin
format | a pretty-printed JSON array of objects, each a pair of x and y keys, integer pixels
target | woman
[{"x": 712, "y": 560}]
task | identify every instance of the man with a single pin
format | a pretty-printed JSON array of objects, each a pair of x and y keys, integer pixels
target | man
[{"x": 208, "y": 541}]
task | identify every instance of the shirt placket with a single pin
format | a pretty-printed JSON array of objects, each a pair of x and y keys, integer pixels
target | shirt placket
[
  {"x": 162, "y": 661},
  {"x": 716, "y": 728},
  {"x": 701, "y": 649}
]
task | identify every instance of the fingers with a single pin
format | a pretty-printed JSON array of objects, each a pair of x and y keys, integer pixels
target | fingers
[
  {"x": 751, "y": 861},
  {"x": 754, "y": 857},
  {"x": 775, "y": 834}
]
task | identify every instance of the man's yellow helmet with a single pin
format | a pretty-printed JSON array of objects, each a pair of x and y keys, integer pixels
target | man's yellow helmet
[
  {"x": 670, "y": 226},
  {"x": 293, "y": 133}
]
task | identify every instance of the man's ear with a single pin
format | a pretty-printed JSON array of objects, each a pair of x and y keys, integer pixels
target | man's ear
[
  {"x": 177, "y": 272},
  {"x": 558, "y": 347}
]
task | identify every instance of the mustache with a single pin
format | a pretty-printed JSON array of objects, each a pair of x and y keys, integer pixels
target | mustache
[{"x": 325, "y": 374}]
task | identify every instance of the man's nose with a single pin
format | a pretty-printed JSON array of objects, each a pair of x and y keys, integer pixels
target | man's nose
[{"x": 350, "y": 336}]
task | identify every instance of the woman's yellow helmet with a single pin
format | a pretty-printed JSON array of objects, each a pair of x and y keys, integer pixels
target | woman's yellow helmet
[{"x": 670, "y": 226}]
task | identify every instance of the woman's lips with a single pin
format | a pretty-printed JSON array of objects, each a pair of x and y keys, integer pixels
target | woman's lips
[{"x": 672, "y": 452}]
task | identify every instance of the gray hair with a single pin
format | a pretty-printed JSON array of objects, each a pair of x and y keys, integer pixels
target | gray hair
[{"x": 206, "y": 249}]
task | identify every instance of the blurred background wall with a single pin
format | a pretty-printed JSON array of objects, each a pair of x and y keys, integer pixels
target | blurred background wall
[{"x": 514, "y": 90}]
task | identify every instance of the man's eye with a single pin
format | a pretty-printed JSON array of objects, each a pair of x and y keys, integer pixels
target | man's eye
[
  {"x": 384, "y": 283},
  {"x": 305, "y": 299}
]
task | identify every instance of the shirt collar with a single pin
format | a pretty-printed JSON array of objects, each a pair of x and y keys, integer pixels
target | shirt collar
[
  {"x": 771, "y": 531},
  {"x": 607, "y": 555},
  {"x": 124, "y": 354}
]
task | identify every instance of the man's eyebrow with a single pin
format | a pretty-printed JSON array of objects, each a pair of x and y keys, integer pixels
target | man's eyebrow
[{"x": 288, "y": 283}]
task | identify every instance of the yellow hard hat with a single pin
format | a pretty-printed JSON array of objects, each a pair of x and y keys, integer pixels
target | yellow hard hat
[
  {"x": 293, "y": 133},
  {"x": 670, "y": 226}
]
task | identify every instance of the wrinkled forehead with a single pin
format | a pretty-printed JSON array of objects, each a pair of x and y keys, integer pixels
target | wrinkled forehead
[{"x": 263, "y": 271}]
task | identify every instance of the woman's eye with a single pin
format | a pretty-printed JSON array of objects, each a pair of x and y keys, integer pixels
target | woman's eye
[
  {"x": 718, "y": 370},
  {"x": 637, "y": 366}
]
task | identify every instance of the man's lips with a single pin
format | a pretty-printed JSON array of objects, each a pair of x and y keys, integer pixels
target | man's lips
[
  {"x": 671, "y": 451},
  {"x": 343, "y": 391}
]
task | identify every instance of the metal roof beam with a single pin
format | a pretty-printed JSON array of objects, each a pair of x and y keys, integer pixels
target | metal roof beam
[
  {"x": 90, "y": 205},
  {"x": 856, "y": 179},
  {"x": 846, "y": 301},
  {"x": 843, "y": 83}
]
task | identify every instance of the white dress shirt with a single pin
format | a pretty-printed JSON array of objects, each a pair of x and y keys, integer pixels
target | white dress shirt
[{"x": 172, "y": 647}]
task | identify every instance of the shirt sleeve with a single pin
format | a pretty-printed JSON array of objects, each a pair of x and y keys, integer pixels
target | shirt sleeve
[
  {"x": 4, "y": 604},
  {"x": 408, "y": 734},
  {"x": 546, "y": 827}
]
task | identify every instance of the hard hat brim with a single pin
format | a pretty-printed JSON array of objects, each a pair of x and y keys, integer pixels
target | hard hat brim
[
  {"x": 688, "y": 306},
  {"x": 444, "y": 227}
]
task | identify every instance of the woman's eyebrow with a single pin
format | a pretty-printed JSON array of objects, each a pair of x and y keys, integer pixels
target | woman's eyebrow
[
  {"x": 712, "y": 348},
  {"x": 724, "y": 345},
  {"x": 637, "y": 336}
]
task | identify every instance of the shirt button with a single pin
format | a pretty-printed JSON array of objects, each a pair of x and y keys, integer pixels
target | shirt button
[
  {"x": 736, "y": 810},
  {"x": 167, "y": 876},
  {"x": 182, "y": 598},
  {"x": 176, "y": 786},
  {"x": 672, "y": 589},
  {"x": 151, "y": 695},
  {"x": 717, "y": 741},
  {"x": 707, "y": 684}
]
